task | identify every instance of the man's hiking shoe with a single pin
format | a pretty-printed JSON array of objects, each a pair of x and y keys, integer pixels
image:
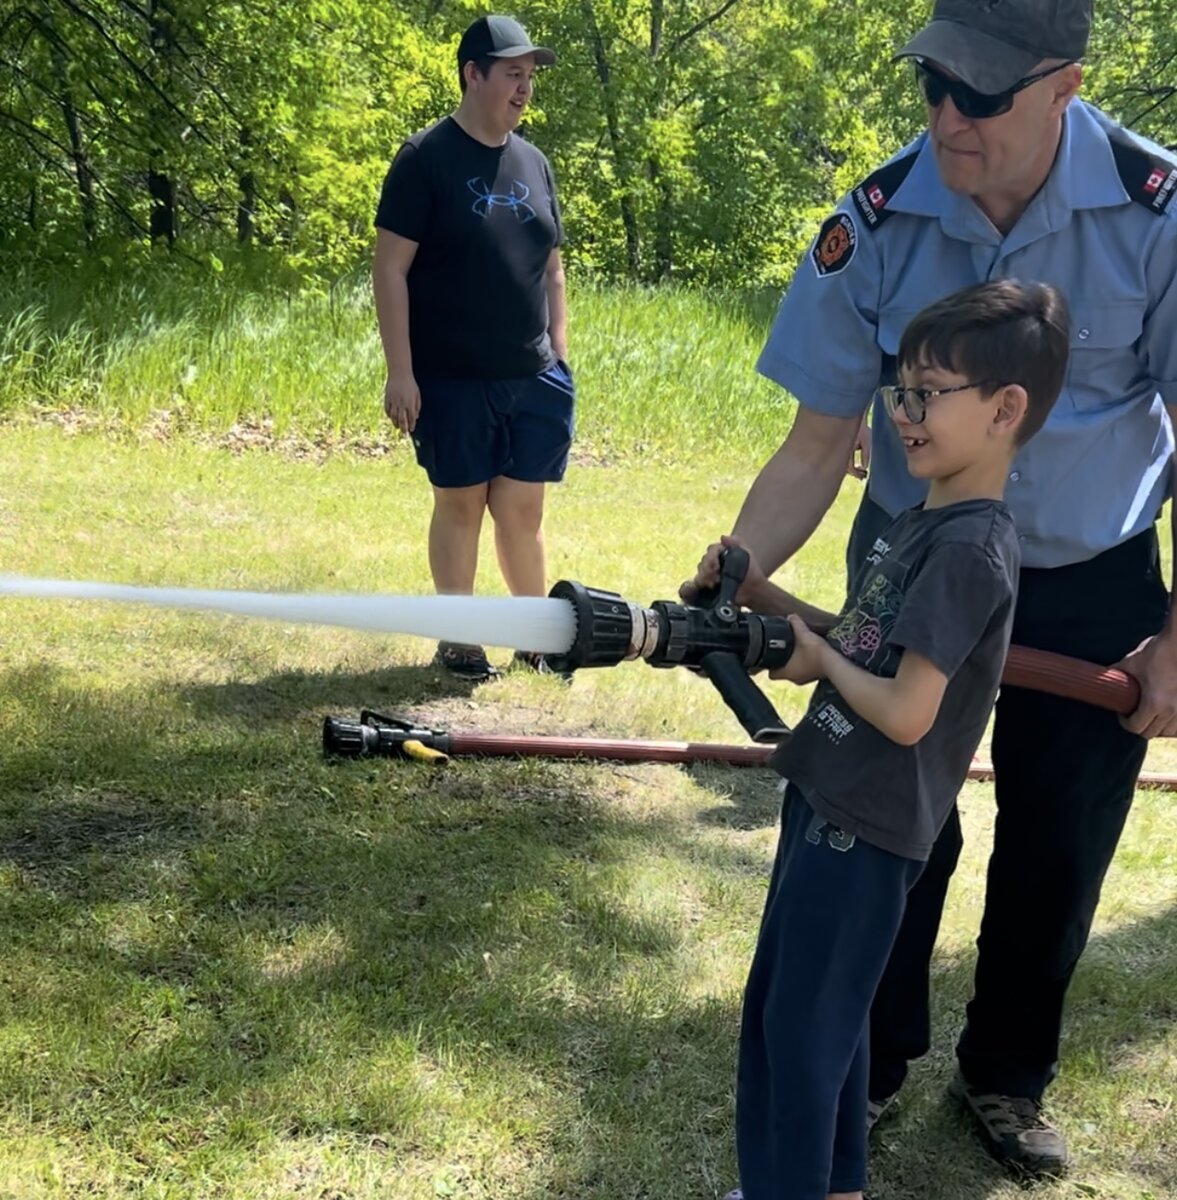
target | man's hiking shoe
[
  {"x": 465, "y": 662},
  {"x": 533, "y": 661},
  {"x": 875, "y": 1110},
  {"x": 1015, "y": 1131}
]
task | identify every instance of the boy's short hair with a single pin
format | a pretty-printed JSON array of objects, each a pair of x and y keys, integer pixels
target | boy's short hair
[
  {"x": 1000, "y": 332},
  {"x": 481, "y": 65}
]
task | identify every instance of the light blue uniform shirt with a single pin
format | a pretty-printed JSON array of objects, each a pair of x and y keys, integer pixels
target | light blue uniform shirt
[{"x": 1098, "y": 472}]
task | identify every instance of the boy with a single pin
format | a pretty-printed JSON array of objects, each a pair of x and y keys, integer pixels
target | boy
[
  {"x": 907, "y": 674},
  {"x": 469, "y": 290}
]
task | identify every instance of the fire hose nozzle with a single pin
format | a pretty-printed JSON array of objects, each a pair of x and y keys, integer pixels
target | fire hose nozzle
[
  {"x": 609, "y": 628},
  {"x": 714, "y": 638},
  {"x": 377, "y": 735}
]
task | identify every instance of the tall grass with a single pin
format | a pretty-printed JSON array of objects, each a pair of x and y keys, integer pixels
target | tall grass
[{"x": 661, "y": 374}]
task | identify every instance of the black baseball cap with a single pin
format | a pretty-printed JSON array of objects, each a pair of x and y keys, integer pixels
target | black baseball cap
[
  {"x": 500, "y": 37},
  {"x": 992, "y": 44}
]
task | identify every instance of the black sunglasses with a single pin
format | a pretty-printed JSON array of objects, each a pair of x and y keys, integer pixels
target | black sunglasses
[{"x": 971, "y": 104}]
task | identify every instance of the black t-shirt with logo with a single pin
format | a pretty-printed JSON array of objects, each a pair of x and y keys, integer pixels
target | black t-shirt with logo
[
  {"x": 940, "y": 582},
  {"x": 486, "y": 221}
]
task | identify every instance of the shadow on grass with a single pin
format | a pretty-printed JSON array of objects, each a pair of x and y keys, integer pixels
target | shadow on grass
[
  {"x": 752, "y": 798},
  {"x": 1120, "y": 1011},
  {"x": 204, "y": 916},
  {"x": 213, "y": 938}
]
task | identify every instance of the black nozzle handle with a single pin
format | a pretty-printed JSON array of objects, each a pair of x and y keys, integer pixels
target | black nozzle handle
[
  {"x": 752, "y": 707},
  {"x": 733, "y": 566}
]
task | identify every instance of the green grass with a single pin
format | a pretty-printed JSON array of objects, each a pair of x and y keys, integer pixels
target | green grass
[
  {"x": 660, "y": 373},
  {"x": 229, "y": 969}
]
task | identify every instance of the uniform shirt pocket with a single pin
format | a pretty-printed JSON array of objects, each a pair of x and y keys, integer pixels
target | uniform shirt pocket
[{"x": 1105, "y": 365}]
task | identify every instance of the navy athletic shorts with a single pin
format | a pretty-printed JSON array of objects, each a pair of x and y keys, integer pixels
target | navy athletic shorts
[{"x": 471, "y": 431}]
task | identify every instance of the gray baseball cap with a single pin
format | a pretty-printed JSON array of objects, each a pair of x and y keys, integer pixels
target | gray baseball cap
[
  {"x": 991, "y": 44},
  {"x": 496, "y": 36}
]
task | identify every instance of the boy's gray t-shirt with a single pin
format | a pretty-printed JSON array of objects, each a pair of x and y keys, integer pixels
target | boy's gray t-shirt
[{"x": 940, "y": 582}]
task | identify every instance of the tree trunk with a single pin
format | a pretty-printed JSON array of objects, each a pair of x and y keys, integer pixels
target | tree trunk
[
  {"x": 164, "y": 222},
  {"x": 247, "y": 186},
  {"x": 629, "y": 221},
  {"x": 289, "y": 226},
  {"x": 663, "y": 195},
  {"x": 82, "y": 171},
  {"x": 246, "y": 207},
  {"x": 83, "y": 174},
  {"x": 663, "y": 224}
]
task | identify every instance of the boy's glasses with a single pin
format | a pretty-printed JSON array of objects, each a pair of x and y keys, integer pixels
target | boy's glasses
[
  {"x": 914, "y": 401},
  {"x": 971, "y": 104}
]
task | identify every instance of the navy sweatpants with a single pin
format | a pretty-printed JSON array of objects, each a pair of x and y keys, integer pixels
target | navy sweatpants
[{"x": 834, "y": 907}]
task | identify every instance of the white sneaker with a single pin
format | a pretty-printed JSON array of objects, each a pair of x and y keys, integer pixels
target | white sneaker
[{"x": 875, "y": 1110}]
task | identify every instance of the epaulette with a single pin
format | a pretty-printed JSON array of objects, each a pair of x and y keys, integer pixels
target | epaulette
[
  {"x": 1149, "y": 178},
  {"x": 871, "y": 195}
]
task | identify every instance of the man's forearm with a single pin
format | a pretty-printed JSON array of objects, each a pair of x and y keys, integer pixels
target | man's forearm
[
  {"x": 558, "y": 313},
  {"x": 390, "y": 290},
  {"x": 1170, "y": 630},
  {"x": 796, "y": 487},
  {"x": 1173, "y": 543}
]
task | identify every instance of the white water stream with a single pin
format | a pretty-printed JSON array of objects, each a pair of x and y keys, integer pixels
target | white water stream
[{"x": 526, "y": 623}]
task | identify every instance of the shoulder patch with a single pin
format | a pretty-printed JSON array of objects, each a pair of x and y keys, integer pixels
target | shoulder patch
[
  {"x": 871, "y": 195},
  {"x": 835, "y": 244},
  {"x": 1149, "y": 179}
]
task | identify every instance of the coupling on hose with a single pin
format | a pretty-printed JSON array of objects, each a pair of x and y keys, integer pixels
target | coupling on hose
[{"x": 609, "y": 629}]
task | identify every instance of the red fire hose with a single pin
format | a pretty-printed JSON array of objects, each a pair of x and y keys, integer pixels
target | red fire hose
[
  {"x": 1037, "y": 670},
  {"x": 1041, "y": 671}
]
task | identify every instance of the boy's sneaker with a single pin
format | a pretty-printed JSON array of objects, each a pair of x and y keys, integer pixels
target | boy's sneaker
[
  {"x": 875, "y": 1110},
  {"x": 465, "y": 662},
  {"x": 534, "y": 661},
  {"x": 1014, "y": 1129},
  {"x": 736, "y": 1194}
]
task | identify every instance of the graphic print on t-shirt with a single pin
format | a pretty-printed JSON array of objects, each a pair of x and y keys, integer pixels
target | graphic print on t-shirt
[
  {"x": 863, "y": 632},
  {"x": 488, "y": 200}
]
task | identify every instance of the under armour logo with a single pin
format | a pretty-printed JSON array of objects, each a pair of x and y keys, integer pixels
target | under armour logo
[{"x": 515, "y": 199}]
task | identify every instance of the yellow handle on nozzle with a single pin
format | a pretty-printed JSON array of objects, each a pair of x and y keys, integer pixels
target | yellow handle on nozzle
[{"x": 424, "y": 753}]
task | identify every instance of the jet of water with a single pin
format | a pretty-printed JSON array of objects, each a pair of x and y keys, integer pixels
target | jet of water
[{"x": 519, "y": 623}]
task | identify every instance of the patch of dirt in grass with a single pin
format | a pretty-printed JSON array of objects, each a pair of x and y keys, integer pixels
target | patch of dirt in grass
[{"x": 249, "y": 434}]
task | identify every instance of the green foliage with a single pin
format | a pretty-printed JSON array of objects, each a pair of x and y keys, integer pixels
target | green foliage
[
  {"x": 699, "y": 140},
  {"x": 177, "y": 346}
]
